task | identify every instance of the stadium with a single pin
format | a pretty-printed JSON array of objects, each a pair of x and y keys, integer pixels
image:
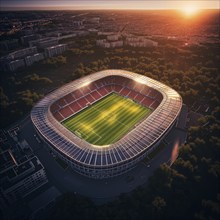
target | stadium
[{"x": 103, "y": 124}]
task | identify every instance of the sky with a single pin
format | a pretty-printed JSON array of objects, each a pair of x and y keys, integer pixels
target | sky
[{"x": 108, "y": 4}]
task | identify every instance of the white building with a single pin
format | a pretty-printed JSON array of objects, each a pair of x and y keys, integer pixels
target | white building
[
  {"x": 113, "y": 41},
  {"x": 140, "y": 41},
  {"x": 109, "y": 44},
  {"x": 55, "y": 50},
  {"x": 15, "y": 64},
  {"x": 118, "y": 43},
  {"x": 44, "y": 42},
  {"x": 29, "y": 60},
  {"x": 113, "y": 37},
  {"x": 22, "y": 53}
]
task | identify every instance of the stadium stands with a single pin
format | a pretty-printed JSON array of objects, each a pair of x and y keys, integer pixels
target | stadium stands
[
  {"x": 115, "y": 159},
  {"x": 79, "y": 99}
]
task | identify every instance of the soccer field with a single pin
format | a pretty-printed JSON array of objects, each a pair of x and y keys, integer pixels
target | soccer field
[{"x": 107, "y": 120}]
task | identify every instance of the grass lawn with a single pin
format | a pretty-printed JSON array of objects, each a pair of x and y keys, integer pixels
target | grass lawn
[{"x": 107, "y": 120}]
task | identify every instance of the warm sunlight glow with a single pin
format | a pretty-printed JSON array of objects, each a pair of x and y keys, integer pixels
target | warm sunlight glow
[{"x": 190, "y": 10}]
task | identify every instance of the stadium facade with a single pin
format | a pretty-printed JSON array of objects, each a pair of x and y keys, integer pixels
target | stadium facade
[{"x": 117, "y": 158}]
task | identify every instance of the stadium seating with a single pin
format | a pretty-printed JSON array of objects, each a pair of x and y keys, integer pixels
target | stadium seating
[
  {"x": 123, "y": 155},
  {"x": 79, "y": 99}
]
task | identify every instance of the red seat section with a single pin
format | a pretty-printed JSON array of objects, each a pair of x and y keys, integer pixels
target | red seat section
[
  {"x": 66, "y": 111},
  {"x": 130, "y": 85},
  {"x": 58, "y": 116},
  {"x": 124, "y": 91},
  {"x": 90, "y": 98},
  {"x": 92, "y": 87},
  {"x": 75, "y": 106},
  {"x": 95, "y": 95},
  {"x": 139, "y": 97},
  {"x": 132, "y": 94},
  {"x": 69, "y": 98},
  {"x": 98, "y": 84},
  {"x": 77, "y": 94},
  {"x": 85, "y": 90},
  {"x": 102, "y": 91},
  {"x": 54, "y": 107},
  {"x": 153, "y": 93},
  {"x": 154, "y": 104},
  {"x": 118, "y": 88},
  {"x": 147, "y": 101},
  {"x": 138, "y": 87},
  {"x": 108, "y": 88},
  {"x": 82, "y": 102},
  {"x": 145, "y": 91}
]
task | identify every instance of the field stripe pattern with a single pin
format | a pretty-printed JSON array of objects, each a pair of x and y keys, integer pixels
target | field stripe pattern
[{"x": 107, "y": 120}]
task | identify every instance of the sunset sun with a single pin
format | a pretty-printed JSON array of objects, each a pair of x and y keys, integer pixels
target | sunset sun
[{"x": 190, "y": 10}]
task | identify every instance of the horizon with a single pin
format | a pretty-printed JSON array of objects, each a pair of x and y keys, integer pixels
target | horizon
[
  {"x": 79, "y": 9},
  {"x": 19, "y": 5}
]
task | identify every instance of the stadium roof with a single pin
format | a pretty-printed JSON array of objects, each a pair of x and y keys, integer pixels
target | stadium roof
[{"x": 132, "y": 145}]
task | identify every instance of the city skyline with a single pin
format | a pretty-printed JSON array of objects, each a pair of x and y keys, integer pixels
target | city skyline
[{"x": 110, "y": 4}]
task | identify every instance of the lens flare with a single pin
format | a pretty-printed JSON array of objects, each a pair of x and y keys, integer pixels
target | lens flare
[{"x": 175, "y": 152}]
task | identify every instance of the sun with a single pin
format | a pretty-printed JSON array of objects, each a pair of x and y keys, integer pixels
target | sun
[{"x": 190, "y": 10}]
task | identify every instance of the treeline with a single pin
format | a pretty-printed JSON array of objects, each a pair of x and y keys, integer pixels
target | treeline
[
  {"x": 25, "y": 93},
  {"x": 164, "y": 71}
]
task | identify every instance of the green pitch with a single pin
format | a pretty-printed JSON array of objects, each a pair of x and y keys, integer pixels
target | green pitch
[{"x": 107, "y": 120}]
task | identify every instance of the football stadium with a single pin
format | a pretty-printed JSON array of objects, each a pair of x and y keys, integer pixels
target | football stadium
[{"x": 105, "y": 123}]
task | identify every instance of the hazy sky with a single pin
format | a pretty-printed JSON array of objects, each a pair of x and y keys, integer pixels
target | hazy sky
[{"x": 110, "y": 4}]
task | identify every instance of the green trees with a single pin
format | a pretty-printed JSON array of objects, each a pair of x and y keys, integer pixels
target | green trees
[
  {"x": 36, "y": 78},
  {"x": 58, "y": 60},
  {"x": 29, "y": 98}
]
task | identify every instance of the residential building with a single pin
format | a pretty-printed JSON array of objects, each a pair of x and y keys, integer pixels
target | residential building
[
  {"x": 113, "y": 37},
  {"x": 140, "y": 41},
  {"x": 55, "y": 50},
  {"x": 44, "y": 42},
  {"x": 15, "y": 64},
  {"x": 109, "y": 44},
  {"x": 29, "y": 60},
  {"x": 22, "y": 53},
  {"x": 20, "y": 179},
  {"x": 118, "y": 43}
]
